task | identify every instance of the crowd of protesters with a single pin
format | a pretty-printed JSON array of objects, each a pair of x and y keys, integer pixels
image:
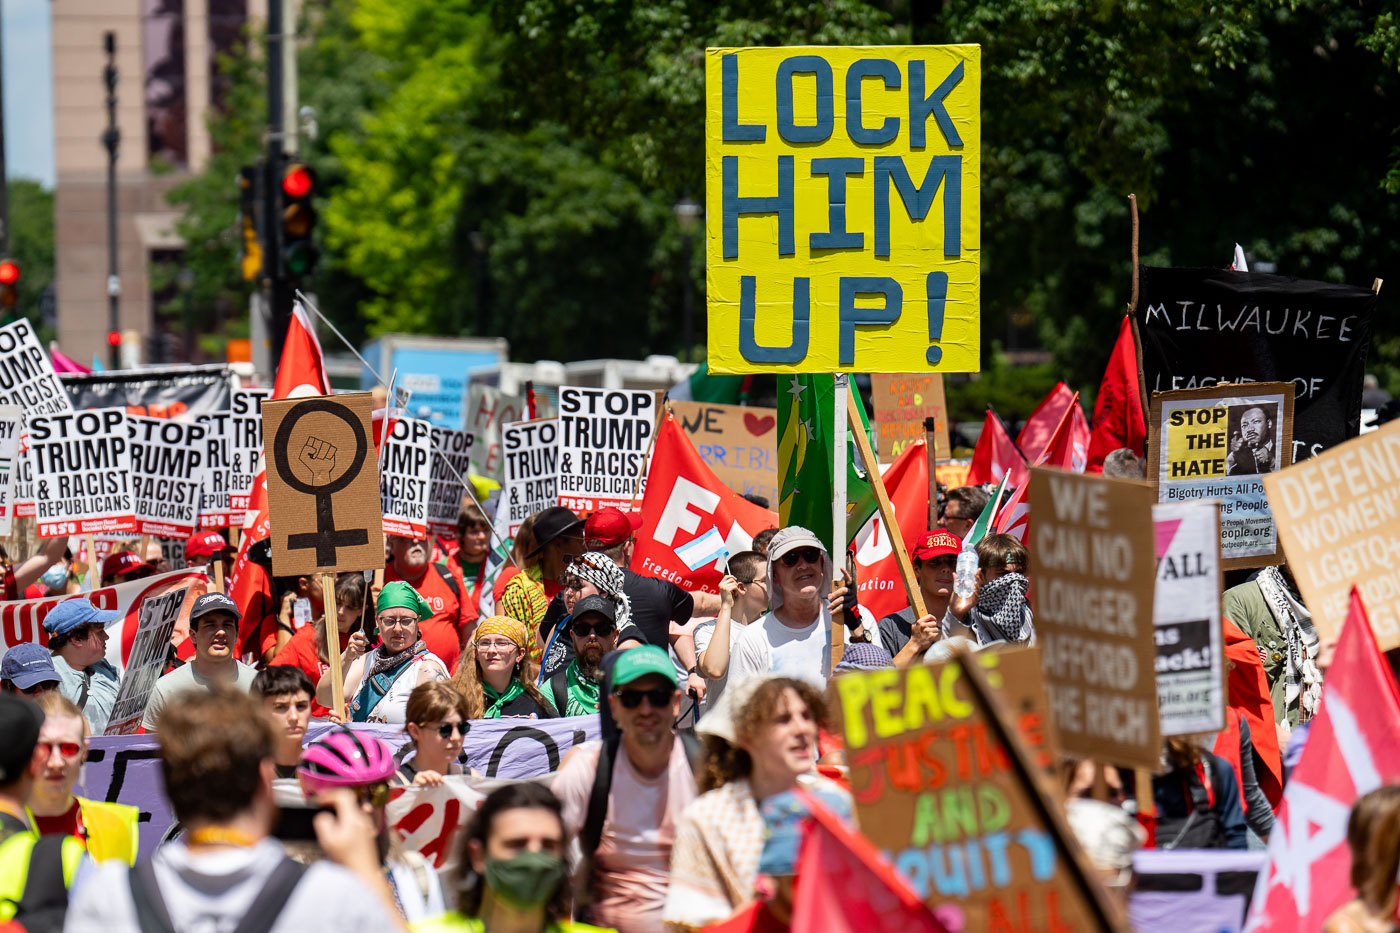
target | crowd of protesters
[{"x": 676, "y": 818}]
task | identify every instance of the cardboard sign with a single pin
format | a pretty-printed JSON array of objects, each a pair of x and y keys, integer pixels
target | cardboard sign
[
  {"x": 149, "y": 653},
  {"x": 902, "y": 401},
  {"x": 737, "y": 442},
  {"x": 447, "y": 492},
  {"x": 323, "y": 484},
  {"x": 843, "y": 217},
  {"x": 405, "y": 474},
  {"x": 82, "y": 472},
  {"x": 1218, "y": 443},
  {"x": 168, "y": 474},
  {"x": 1200, "y": 327},
  {"x": 603, "y": 439},
  {"x": 942, "y": 796},
  {"x": 531, "y": 471},
  {"x": 27, "y": 378},
  {"x": 1094, "y": 568},
  {"x": 488, "y": 410},
  {"x": 245, "y": 445},
  {"x": 1191, "y": 693},
  {"x": 1338, "y": 517},
  {"x": 11, "y": 426},
  {"x": 216, "y": 508}
]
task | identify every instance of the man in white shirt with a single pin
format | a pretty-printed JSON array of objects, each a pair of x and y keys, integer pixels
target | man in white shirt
[
  {"x": 794, "y": 638},
  {"x": 214, "y": 628},
  {"x": 743, "y": 598}
]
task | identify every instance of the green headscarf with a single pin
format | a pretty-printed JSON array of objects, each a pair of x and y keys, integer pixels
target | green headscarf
[{"x": 399, "y": 595}]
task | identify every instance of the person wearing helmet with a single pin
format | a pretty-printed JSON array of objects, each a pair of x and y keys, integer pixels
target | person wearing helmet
[
  {"x": 363, "y": 764},
  {"x": 377, "y": 683}
]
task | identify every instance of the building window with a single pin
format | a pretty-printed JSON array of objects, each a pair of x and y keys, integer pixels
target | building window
[
  {"x": 226, "y": 21},
  {"x": 167, "y": 116}
]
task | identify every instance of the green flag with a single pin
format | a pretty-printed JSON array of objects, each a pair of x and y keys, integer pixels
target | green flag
[
  {"x": 704, "y": 387},
  {"x": 979, "y": 528},
  {"x": 806, "y": 438}
]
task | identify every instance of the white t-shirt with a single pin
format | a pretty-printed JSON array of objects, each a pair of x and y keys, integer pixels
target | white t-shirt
[
  {"x": 704, "y": 633},
  {"x": 184, "y": 678},
  {"x": 768, "y": 646}
]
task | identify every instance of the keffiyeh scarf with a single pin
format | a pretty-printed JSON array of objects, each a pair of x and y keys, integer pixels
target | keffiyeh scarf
[
  {"x": 1302, "y": 679},
  {"x": 1001, "y": 611}
]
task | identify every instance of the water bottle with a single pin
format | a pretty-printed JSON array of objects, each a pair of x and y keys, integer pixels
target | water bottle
[{"x": 965, "y": 580}]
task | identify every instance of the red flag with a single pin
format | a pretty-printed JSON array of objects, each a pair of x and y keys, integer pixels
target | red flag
[
  {"x": 843, "y": 886},
  {"x": 1118, "y": 415},
  {"x": 683, "y": 501},
  {"x": 1040, "y": 426},
  {"x": 995, "y": 455},
  {"x": 1351, "y": 751},
  {"x": 302, "y": 370},
  {"x": 1068, "y": 446},
  {"x": 877, "y": 569},
  {"x": 1248, "y": 691}
]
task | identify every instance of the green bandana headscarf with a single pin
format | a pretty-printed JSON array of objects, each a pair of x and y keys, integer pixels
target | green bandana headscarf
[
  {"x": 399, "y": 595},
  {"x": 497, "y": 701}
]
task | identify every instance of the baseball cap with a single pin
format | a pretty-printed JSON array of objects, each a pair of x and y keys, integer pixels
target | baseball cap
[
  {"x": 636, "y": 663},
  {"x": 19, "y": 733},
  {"x": 204, "y": 544},
  {"x": 214, "y": 602},
  {"x": 74, "y": 613},
  {"x": 27, "y": 664},
  {"x": 125, "y": 563},
  {"x": 602, "y": 605},
  {"x": 551, "y": 523},
  {"x": 609, "y": 527},
  {"x": 937, "y": 543}
]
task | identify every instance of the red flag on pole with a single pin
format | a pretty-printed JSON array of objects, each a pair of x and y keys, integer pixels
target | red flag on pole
[
  {"x": 1069, "y": 445},
  {"x": 877, "y": 568},
  {"x": 302, "y": 370},
  {"x": 1351, "y": 751},
  {"x": 1119, "y": 420},
  {"x": 996, "y": 455},
  {"x": 1040, "y": 426}
]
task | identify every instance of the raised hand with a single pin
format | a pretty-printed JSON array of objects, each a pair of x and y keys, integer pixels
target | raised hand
[{"x": 318, "y": 456}]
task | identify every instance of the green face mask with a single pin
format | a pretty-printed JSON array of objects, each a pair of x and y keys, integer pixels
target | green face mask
[{"x": 527, "y": 880}]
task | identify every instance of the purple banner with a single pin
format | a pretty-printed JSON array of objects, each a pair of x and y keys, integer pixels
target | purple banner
[{"x": 1193, "y": 891}]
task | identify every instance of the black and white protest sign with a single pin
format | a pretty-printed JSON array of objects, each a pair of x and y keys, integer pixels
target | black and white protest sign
[
  {"x": 216, "y": 508},
  {"x": 1186, "y": 617},
  {"x": 11, "y": 425},
  {"x": 1204, "y": 326},
  {"x": 530, "y": 460},
  {"x": 22, "y": 487},
  {"x": 245, "y": 444},
  {"x": 82, "y": 472},
  {"x": 168, "y": 472},
  {"x": 405, "y": 474},
  {"x": 603, "y": 439},
  {"x": 27, "y": 378},
  {"x": 179, "y": 391},
  {"x": 149, "y": 653},
  {"x": 452, "y": 455}
]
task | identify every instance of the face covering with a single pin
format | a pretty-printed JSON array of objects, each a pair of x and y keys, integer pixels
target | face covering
[
  {"x": 54, "y": 577},
  {"x": 527, "y": 880}
]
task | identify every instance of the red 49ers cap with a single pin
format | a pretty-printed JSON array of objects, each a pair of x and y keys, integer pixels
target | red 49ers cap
[
  {"x": 609, "y": 527},
  {"x": 938, "y": 543}
]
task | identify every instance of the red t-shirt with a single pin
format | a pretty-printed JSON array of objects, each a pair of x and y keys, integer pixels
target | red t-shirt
[
  {"x": 470, "y": 586},
  {"x": 300, "y": 652},
  {"x": 443, "y": 632},
  {"x": 67, "y": 823}
]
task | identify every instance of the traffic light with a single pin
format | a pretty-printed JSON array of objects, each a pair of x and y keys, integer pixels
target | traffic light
[
  {"x": 251, "y": 261},
  {"x": 9, "y": 278},
  {"x": 299, "y": 253},
  {"x": 114, "y": 338}
]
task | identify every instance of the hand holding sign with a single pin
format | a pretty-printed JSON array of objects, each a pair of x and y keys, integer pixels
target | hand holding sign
[{"x": 318, "y": 456}]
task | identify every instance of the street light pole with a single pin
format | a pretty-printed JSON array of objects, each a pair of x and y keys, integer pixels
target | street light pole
[
  {"x": 687, "y": 217},
  {"x": 111, "y": 138},
  {"x": 279, "y": 292}
]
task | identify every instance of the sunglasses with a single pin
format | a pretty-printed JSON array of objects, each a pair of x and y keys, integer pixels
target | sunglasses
[
  {"x": 66, "y": 749},
  {"x": 658, "y": 697},
  {"x": 810, "y": 555},
  {"x": 376, "y": 795},
  {"x": 446, "y": 730},
  {"x": 601, "y": 629}
]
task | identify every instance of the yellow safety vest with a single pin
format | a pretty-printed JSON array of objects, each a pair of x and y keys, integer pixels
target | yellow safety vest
[
  {"x": 112, "y": 831},
  {"x": 14, "y": 868},
  {"x": 453, "y": 922}
]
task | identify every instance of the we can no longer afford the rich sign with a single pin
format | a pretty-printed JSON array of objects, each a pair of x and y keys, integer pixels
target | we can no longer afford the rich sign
[
  {"x": 842, "y": 208},
  {"x": 82, "y": 472}
]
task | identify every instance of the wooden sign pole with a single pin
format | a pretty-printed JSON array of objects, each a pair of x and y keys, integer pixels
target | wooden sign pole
[
  {"x": 94, "y": 567},
  {"x": 882, "y": 499},
  {"x": 931, "y": 451},
  {"x": 328, "y": 609},
  {"x": 145, "y": 546},
  {"x": 219, "y": 574}
]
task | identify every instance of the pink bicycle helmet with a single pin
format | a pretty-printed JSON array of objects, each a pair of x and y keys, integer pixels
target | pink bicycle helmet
[{"x": 345, "y": 759}]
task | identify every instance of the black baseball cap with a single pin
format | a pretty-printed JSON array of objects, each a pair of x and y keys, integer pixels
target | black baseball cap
[
  {"x": 214, "y": 602},
  {"x": 602, "y": 605},
  {"x": 19, "y": 733}
]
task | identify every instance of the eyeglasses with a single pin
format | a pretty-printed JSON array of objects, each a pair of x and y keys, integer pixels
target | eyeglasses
[
  {"x": 376, "y": 795},
  {"x": 445, "y": 730},
  {"x": 601, "y": 629},
  {"x": 498, "y": 647},
  {"x": 397, "y": 621},
  {"x": 66, "y": 749},
  {"x": 658, "y": 697},
  {"x": 810, "y": 555}
]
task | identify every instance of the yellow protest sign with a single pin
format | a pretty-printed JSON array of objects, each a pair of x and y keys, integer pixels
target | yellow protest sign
[{"x": 843, "y": 219}]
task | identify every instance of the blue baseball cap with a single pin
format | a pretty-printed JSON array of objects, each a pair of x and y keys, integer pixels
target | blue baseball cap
[
  {"x": 27, "y": 664},
  {"x": 74, "y": 613}
]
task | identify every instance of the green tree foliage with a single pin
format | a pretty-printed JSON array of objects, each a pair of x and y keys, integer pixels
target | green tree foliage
[{"x": 31, "y": 241}]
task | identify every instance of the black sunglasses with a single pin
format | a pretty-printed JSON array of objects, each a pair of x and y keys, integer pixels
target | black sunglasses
[
  {"x": 445, "y": 730},
  {"x": 809, "y": 554},
  {"x": 601, "y": 629},
  {"x": 658, "y": 697}
]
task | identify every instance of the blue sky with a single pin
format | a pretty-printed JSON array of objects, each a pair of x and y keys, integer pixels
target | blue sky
[{"x": 28, "y": 80}]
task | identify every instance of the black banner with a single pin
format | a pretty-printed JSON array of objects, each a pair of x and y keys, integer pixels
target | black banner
[
  {"x": 158, "y": 392},
  {"x": 1204, "y": 326}
]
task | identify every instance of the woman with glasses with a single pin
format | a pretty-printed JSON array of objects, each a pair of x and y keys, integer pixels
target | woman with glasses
[
  {"x": 377, "y": 684},
  {"x": 362, "y": 763},
  {"x": 437, "y": 726},
  {"x": 496, "y": 677}
]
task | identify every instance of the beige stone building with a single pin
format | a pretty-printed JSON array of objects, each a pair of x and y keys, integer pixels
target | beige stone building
[{"x": 167, "y": 81}]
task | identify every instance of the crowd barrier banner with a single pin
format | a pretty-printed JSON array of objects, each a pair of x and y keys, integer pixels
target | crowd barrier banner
[{"x": 1193, "y": 891}]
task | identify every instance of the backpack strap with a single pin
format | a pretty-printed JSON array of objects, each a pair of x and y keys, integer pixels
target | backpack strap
[
  {"x": 445, "y": 572},
  {"x": 598, "y": 798},
  {"x": 267, "y": 906},
  {"x": 44, "y": 889},
  {"x": 152, "y": 916},
  {"x": 694, "y": 754},
  {"x": 87, "y": 687},
  {"x": 559, "y": 686}
]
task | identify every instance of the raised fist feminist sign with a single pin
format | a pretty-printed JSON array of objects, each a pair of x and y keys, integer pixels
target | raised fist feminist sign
[{"x": 322, "y": 484}]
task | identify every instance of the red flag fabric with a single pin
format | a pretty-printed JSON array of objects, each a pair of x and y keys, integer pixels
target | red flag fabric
[
  {"x": 1351, "y": 751},
  {"x": 1069, "y": 445},
  {"x": 1040, "y": 426},
  {"x": 877, "y": 569},
  {"x": 1119, "y": 420},
  {"x": 684, "y": 500},
  {"x": 301, "y": 371},
  {"x": 843, "y": 886},
  {"x": 1248, "y": 691},
  {"x": 995, "y": 455}
]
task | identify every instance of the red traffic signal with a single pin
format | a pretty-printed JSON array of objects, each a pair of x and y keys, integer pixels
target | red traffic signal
[
  {"x": 114, "y": 338},
  {"x": 9, "y": 272},
  {"x": 297, "y": 181}
]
